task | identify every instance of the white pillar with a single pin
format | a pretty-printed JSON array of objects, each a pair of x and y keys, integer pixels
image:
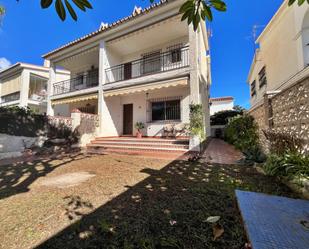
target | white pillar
[
  {"x": 50, "y": 89},
  {"x": 24, "y": 89},
  {"x": 193, "y": 57},
  {"x": 102, "y": 79}
]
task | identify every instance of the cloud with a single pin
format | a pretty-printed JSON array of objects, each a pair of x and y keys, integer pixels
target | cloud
[{"x": 4, "y": 63}]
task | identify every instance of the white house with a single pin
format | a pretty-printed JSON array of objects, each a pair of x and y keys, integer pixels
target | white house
[
  {"x": 147, "y": 67},
  {"x": 221, "y": 104},
  {"x": 25, "y": 85},
  {"x": 283, "y": 54}
]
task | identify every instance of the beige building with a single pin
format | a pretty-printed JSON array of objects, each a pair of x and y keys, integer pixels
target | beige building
[
  {"x": 147, "y": 67},
  {"x": 25, "y": 85},
  {"x": 283, "y": 54}
]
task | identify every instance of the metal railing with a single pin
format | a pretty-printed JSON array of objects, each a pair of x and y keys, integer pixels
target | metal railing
[
  {"x": 76, "y": 84},
  {"x": 151, "y": 64}
]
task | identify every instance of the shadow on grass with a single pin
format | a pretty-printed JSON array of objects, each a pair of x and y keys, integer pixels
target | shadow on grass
[
  {"x": 168, "y": 210},
  {"x": 16, "y": 178}
]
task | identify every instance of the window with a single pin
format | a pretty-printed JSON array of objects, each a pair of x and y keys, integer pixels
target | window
[
  {"x": 262, "y": 77},
  {"x": 92, "y": 77},
  {"x": 175, "y": 53},
  {"x": 10, "y": 97},
  {"x": 253, "y": 90},
  {"x": 165, "y": 110},
  {"x": 151, "y": 62},
  {"x": 79, "y": 80}
]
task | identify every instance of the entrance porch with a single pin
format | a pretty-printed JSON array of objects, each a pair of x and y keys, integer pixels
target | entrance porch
[{"x": 163, "y": 109}]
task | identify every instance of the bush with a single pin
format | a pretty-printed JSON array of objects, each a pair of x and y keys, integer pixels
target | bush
[
  {"x": 197, "y": 121},
  {"x": 222, "y": 117},
  {"x": 242, "y": 132},
  {"x": 281, "y": 143},
  {"x": 290, "y": 164},
  {"x": 19, "y": 121}
]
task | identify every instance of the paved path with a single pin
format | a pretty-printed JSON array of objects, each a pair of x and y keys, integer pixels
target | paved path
[{"x": 221, "y": 152}]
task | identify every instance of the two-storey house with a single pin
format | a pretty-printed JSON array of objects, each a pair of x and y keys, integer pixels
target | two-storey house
[
  {"x": 282, "y": 54},
  {"x": 147, "y": 67},
  {"x": 279, "y": 75},
  {"x": 25, "y": 85}
]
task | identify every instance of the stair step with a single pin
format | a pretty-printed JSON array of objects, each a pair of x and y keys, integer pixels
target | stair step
[
  {"x": 145, "y": 144},
  {"x": 145, "y": 140},
  {"x": 136, "y": 147}
]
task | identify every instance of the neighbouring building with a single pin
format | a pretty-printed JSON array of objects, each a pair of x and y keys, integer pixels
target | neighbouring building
[
  {"x": 25, "y": 85},
  {"x": 221, "y": 104},
  {"x": 147, "y": 67},
  {"x": 279, "y": 74}
]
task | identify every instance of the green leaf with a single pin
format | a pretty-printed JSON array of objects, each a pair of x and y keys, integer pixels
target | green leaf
[
  {"x": 79, "y": 4},
  {"x": 60, "y": 9},
  {"x": 187, "y": 5},
  {"x": 218, "y": 5},
  {"x": 46, "y": 3},
  {"x": 86, "y": 4},
  {"x": 71, "y": 10}
]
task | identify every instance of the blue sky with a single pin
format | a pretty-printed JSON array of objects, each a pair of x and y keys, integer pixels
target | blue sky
[{"x": 27, "y": 32}]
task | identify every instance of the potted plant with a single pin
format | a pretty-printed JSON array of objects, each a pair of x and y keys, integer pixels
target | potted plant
[{"x": 139, "y": 126}]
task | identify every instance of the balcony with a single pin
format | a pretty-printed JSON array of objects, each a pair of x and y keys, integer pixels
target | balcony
[
  {"x": 151, "y": 63},
  {"x": 75, "y": 84}
]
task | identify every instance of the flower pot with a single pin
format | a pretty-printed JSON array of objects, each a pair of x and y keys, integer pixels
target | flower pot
[{"x": 139, "y": 134}]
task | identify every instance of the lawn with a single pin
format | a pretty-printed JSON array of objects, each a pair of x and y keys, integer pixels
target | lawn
[{"x": 113, "y": 201}]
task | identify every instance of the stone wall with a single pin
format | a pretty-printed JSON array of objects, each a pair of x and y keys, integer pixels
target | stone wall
[{"x": 286, "y": 111}]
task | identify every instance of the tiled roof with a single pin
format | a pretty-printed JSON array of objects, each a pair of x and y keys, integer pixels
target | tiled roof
[
  {"x": 104, "y": 28},
  {"x": 221, "y": 99}
]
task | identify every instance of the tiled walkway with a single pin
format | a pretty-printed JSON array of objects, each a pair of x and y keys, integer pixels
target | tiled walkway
[{"x": 221, "y": 152}]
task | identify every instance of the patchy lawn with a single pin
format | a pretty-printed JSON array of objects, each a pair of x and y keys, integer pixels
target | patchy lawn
[{"x": 127, "y": 202}]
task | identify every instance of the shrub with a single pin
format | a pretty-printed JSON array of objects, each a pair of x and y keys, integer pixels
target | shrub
[
  {"x": 281, "y": 143},
  {"x": 290, "y": 164},
  {"x": 242, "y": 132},
  {"x": 197, "y": 121},
  {"x": 20, "y": 121},
  {"x": 222, "y": 117}
]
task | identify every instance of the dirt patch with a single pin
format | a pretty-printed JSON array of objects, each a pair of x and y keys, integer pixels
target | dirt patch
[{"x": 67, "y": 180}]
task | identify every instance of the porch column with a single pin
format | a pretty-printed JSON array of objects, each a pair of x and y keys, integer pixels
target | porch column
[
  {"x": 193, "y": 57},
  {"x": 24, "y": 90},
  {"x": 102, "y": 108},
  {"x": 50, "y": 88}
]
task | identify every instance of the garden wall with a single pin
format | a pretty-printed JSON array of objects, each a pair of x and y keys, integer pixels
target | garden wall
[{"x": 286, "y": 111}]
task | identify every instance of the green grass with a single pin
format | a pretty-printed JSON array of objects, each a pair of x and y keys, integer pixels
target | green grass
[{"x": 169, "y": 208}]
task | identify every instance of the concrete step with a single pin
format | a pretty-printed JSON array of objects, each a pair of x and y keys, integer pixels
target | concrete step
[
  {"x": 136, "y": 147},
  {"x": 137, "y": 143},
  {"x": 144, "y": 140}
]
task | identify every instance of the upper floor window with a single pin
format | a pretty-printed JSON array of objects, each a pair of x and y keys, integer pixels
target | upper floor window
[
  {"x": 262, "y": 77},
  {"x": 10, "y": 97},
  {"x": 151, "y": 62},
  {"x": 253, "y": 88},
  {"x": 175, "y": 53}
]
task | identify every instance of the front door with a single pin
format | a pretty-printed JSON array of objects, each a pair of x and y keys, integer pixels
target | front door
[{"x": 128, "y": 119}]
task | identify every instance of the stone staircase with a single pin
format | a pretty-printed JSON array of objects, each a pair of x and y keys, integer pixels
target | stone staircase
[{"x": 171, "y": 148}]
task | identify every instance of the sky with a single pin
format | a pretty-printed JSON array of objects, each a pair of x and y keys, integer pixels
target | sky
[{"x": 27, "y": 32}]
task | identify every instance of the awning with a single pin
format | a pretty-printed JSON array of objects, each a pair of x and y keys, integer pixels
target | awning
[
  {"x": 75, "y": 99},
  {"x": 148, "y": 87}
]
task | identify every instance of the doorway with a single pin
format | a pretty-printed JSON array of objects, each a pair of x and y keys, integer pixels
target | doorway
[{"x": 128, "y": 119}]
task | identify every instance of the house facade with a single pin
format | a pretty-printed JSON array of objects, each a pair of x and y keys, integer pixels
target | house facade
[
  {"x": 279, "y": 75},
  {"x": 147, "y": 67},
  {"x": 283, "y": 53},
  {"x": 25, "y": 85},
  {"x": 221, "y": 104}
]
